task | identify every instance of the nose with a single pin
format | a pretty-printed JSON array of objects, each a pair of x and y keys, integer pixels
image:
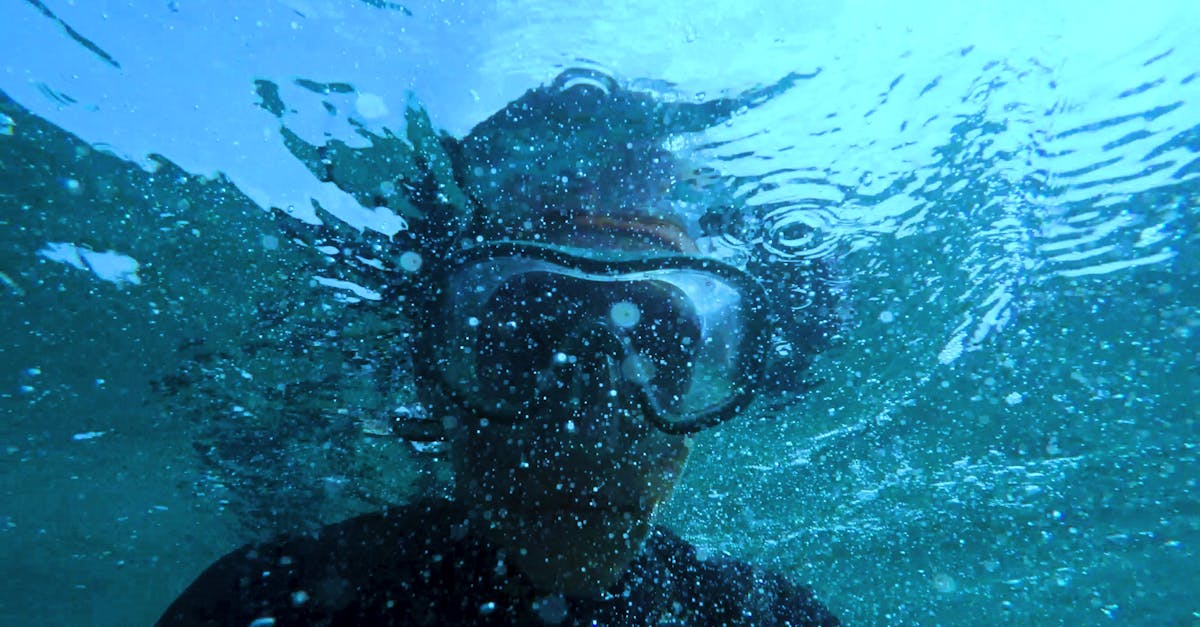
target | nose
[{"x": 593, "y": 402}]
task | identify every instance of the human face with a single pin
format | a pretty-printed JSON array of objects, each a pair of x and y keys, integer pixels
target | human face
[
  {"x": 568, "y": 488},
  {"x": 582, "y": 453},
  {"x": 568, "y": 494},
  {"x": 585, "y": 447}
]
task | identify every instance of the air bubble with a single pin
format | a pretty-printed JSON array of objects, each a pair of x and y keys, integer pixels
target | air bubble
[
  {"x": 944, "y": 583},
  {"x": 638, "y": 369},
  {"x": 411, "y": 261},
  {"x": 370, "y": 106},
  {"x": 552, "y": 610},
  {"x": 625, "y": 314}
]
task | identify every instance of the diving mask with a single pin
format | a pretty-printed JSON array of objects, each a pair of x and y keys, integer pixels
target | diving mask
[{"x": 686, "y": 336}]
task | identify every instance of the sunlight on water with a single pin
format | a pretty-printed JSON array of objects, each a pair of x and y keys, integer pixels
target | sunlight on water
[{"x": 1006, "y": 195}]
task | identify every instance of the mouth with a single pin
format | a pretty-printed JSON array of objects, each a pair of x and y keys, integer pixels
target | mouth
[
  {"x": 642, "y": 505},
  {"x": 630, "y": 484},
  {"x": 597, "y": 503}
]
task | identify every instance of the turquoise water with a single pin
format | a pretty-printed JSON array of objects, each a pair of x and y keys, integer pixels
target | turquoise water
[{"x": 1004, "y": 430}]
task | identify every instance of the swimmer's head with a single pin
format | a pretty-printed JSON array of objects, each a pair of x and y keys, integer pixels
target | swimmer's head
[
  {"x": 577, "y": 176},
  {"x": 580, "y": 334},
  {"x": 581, "y": 147}
]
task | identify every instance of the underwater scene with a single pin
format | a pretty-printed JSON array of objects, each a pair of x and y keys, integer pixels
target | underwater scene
[{"x": 947, "y": 375}]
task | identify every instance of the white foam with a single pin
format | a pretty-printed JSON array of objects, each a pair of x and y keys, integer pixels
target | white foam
[
  {"x": 357, "y": 289},
  {"x": 109, "y": 265},
  {"x": 370, "y": 106},
  {"x": 953, "y": 349}
]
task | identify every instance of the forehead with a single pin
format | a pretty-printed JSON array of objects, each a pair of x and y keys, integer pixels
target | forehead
[
  {"x": 640, "y": 234},
  {"x": 531, "y": 176},
  {"x": 546, "y": 162}
]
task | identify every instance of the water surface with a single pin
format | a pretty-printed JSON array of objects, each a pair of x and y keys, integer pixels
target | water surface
[{"x": 1004, "y": 430}]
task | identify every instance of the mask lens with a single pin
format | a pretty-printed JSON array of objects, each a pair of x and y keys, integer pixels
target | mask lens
[
  {"x": 538, "y": 322},
  {"x": 662, "y": 343},
  {"x": 520, "y": 326},
  {"x": 520, "y": 334}
]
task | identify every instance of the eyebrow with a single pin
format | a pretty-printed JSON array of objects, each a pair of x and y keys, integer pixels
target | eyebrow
[{"x": 650, "y": 230}]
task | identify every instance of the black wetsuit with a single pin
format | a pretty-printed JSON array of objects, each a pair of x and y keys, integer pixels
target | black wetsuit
[{"x": 419, "y": 565}]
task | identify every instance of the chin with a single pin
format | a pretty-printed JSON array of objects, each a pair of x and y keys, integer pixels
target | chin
[
  {"x": 592, "y": 506},
  {"x": 574, "y": 518},
  {"x": 599, "y": 504}
]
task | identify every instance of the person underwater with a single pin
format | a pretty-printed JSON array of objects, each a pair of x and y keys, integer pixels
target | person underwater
[{"x": 574, "y": 339}]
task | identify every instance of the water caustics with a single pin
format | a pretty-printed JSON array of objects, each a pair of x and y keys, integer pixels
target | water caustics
[{"x": 992, "y": 183}]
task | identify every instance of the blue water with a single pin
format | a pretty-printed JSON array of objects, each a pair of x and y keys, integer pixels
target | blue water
[{"x": 1004, "y": 430}]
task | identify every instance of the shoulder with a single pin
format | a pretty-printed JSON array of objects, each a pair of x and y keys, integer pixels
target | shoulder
[
  {"x": 731, "y": 591},
  {"x": 314, "y": 575}
]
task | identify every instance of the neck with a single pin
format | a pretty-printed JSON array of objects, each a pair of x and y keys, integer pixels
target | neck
[{"x": 579, "y": 554}]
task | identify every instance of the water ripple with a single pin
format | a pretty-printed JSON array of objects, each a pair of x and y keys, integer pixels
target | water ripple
[{"x": 1016, "y": 170}]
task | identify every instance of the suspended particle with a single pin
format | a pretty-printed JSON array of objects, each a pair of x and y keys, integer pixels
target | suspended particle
[
  {"x": 944, "y": 583},
  {"x": 625, "y": 314},
  {"x": 411, "y": 261}
]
